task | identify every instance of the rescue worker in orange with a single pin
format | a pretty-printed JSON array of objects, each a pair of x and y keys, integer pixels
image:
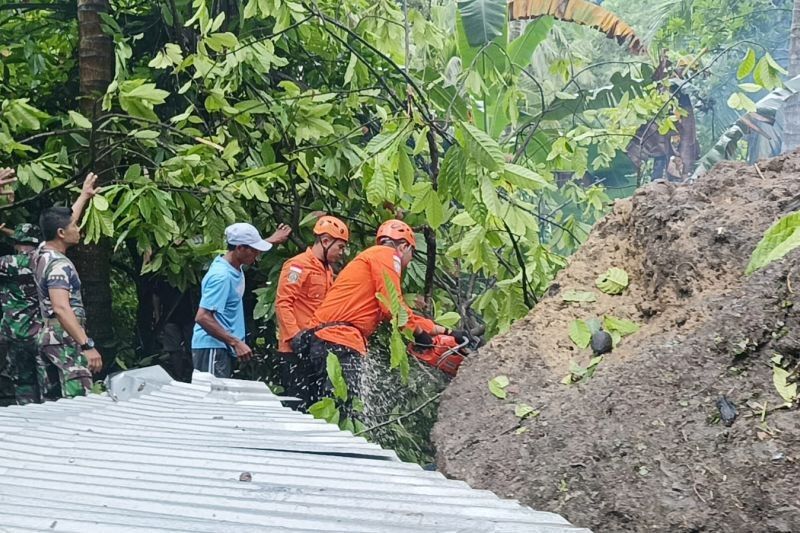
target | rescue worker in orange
[
  {"x": 351, "y": 312},
  {"x": 304, "y": 281}
]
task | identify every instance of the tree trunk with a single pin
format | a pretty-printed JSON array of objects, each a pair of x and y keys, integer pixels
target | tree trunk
[
  {"x": 791, "y": 110},
  {"x": 96, "y": 55}
]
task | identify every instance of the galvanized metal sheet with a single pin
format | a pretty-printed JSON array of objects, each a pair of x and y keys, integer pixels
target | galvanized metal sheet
[{"x": 169, "y": 457}]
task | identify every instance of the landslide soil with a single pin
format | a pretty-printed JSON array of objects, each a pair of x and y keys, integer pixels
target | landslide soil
[{"x": 640, "y": 447}]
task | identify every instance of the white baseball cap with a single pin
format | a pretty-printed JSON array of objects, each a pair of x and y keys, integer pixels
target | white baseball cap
[{"x": 246, "y": 234}]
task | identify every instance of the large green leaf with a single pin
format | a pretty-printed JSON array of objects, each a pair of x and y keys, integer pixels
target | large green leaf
[
  {"x": 480, "y": 146},
  {"x": 521, "y": 49},
  {"x": 325, "y": 409},
  {"x": 483, "y": 20},
  {"x": 623, "y": 326},
  {"x": 747, "y": 65},
  {"x": 334, "y": 369},
  {"x": 525, "y": 178},
  {"x": 780, "y": 239},
  {"x": 613, "y": 281},
  {"x": 579, "y": 333}
]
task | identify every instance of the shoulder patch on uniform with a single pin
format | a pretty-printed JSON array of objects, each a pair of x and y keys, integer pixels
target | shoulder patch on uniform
[
  {"x": 294, "y": 273},
  {"x": 398, "y": 265}
]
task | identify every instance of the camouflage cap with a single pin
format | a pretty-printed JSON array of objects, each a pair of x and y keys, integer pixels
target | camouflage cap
[{"x": 27, "y": 234}]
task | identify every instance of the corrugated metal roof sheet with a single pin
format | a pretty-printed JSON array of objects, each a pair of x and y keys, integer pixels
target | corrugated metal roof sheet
[{"x": 170, "y": 459}]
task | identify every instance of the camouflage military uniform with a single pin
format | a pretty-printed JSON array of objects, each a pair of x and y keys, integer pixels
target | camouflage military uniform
[
  {"x": 63, "y": 372},
  {"x": 21, "y": 320}
]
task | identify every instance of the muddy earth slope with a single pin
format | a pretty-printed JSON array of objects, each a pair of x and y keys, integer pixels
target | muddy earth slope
[{"x": 640, "y": 446}]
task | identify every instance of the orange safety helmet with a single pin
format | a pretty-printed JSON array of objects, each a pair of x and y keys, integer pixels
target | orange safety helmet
[
  {"x": 396, "y": 230},
  {"x": 333, "y": 227}
]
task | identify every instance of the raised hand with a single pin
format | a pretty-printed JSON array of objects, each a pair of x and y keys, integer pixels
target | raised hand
[
  {"x": 281, "y": 234},
  {"x": 89, "y": 189},
  {"x": 7, "y": 177}
]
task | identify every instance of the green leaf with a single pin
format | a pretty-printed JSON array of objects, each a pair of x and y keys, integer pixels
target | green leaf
[
  {"x": 490, "y": 198},
  {"x": 351, "y": 66},
  {"x": 79, "y": 120},
  {"x": 614, "y": 281},
  {"x": 347, "y": 425},
  {"x": 623, "y": 326},
  {"x": 399, "y": 355},
  {"x": 594, "y": 325},
  {"x": 325, "y": 409},
  {"x": 334, "y": 369},
  {"x": 435, "y": 212},
  {"x": 788, "y": 391},
  {"x": 750, "y": 87},
  {"x": 579, "y": 334},
  {"x": 449, "y": 319},
  {"x": 578, "y": 296},
  {"x": 423, "y": 195},
  {"x": 747, "y": 65},
  {"x": 741, "y": 101},
  {"x": 521, "y": 49},
  {"x": 146, "y": 134},
  {"x": 220, "y": 41},
  {"x": 523, "y": 410},
  {"x": 774, "y": 65},
  {"x": 483, "y": 20},
  {"x": 405, "y": 169},
  {"x": 525, "y": 178},
  {"x": 453, "y": 168},
  {"x": 765, "y": 75},
  {"x": 480, "y": 146},
  {"x": 780, "y": 239},
  {"x": 380, "y": 187},
  {"x": 100, "y": 203},
  {"x": 497, "y": 386},
  {"x": 463, "y": 219}
]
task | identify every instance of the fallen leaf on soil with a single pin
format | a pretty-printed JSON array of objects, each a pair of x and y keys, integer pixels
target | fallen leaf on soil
[
  {"x": 497, "y": 386},
  {"x": 579, "y": 296},
  {"x": 614, "y": 281},
  {"x": 580, "y": 334},
  {"x": 788, "y": 391},
  {"x": 523, "y": 410}
]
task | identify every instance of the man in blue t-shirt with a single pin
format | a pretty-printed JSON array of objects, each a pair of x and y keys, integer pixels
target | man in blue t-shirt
[{"x": 219, "y": 329}]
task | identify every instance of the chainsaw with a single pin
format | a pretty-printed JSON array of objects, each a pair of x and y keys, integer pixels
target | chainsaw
[{"x": 445, "y": 352}]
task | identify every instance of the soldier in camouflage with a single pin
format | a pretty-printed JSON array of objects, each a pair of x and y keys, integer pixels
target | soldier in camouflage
[
  {"x": 67, "y": 354},
  {"x": 21, "y": 321}
]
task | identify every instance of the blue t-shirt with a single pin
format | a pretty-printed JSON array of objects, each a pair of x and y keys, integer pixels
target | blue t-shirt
[{"x": 221, "y": 293}]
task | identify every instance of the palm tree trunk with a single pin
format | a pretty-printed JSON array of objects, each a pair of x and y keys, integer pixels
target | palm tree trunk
[
  {"x": 93, "y": 262},
  {"x": 791, "y": 110}
]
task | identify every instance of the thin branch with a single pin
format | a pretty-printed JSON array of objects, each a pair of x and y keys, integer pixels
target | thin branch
[{"x": 521, "y": 260}]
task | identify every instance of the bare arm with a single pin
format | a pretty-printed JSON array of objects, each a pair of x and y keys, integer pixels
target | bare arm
[
  {"x": 66, "y": 317},
  {"x": 209, "y": 323},
  {"x": 87, "y": 193}
]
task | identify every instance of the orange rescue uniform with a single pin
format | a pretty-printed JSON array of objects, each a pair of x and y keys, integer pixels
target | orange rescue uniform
[
  {"x": 302, "y": 286},
  {"x": 352, "y": 300}
]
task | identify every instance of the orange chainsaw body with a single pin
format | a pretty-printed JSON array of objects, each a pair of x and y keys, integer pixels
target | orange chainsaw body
[{"x": 445, "y": 354}]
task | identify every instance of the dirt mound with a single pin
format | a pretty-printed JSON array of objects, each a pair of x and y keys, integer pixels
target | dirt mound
[{"x": 639, "y": 447}]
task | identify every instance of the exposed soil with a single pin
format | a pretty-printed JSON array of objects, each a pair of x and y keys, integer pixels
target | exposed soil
[{"x": 640, "y": 447}]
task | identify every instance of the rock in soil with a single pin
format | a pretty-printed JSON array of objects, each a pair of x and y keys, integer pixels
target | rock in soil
[{"x": 640, "y": 446}]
